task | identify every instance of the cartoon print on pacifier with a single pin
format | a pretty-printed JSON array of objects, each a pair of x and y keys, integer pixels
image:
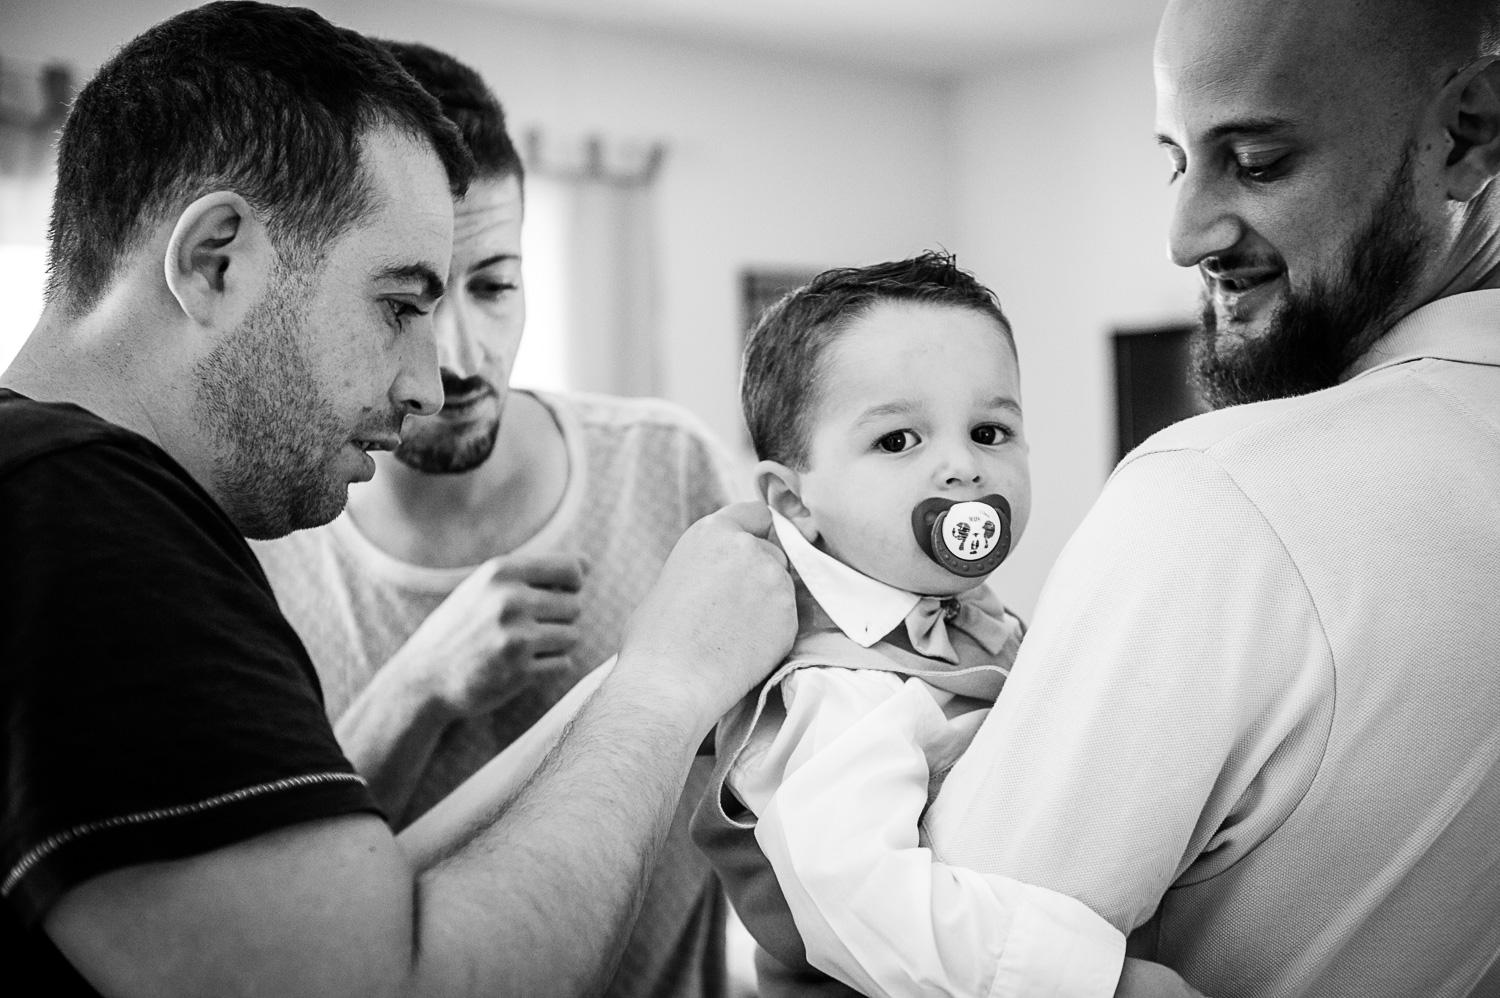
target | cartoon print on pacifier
[{"x": 968, "y": 538}]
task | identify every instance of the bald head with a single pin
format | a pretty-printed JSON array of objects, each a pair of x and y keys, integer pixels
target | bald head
[
  {"x": 1396, "y": 49},
  {"x": 1330, "y": 153}
]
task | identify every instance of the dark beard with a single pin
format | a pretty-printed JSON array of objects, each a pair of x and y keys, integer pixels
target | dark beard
[
  {"x": 271, "y": 424},
  {"x": 439, "y": 450},
  {"x": 1313, "y": 337}
]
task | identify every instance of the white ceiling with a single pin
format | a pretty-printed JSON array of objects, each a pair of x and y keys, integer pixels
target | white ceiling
[{"x": 930, "y": 36}]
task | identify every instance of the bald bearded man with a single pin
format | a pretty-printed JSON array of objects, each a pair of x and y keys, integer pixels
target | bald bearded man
[{"x": 1256, "y": 722}]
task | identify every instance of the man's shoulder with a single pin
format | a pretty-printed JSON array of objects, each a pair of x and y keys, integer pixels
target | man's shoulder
[
  {"x": 30, "y": 429},
  {"x": 1256, "y": 421},
  {"x": 652, "y": 433},
  {"x": 614, "y": 413},
  {"x": 68, "y": 459},
  {"x": 1360, "y": 449},
  {"x": 1237, "y": 461},
  {"x": 1245, "y": 436}
]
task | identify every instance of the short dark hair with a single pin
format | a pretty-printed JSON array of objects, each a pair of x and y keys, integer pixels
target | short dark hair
[
  {"x": 468, "y": 103},
  {"x": 779, "y": 384},
  {"x": 268, "y": 101}
]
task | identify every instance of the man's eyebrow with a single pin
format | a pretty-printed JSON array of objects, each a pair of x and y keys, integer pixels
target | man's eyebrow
[
  {"x": 432, "y": 284},
  {"x": 1244, "y": 126},
  {"x": 497, "y": 258}
]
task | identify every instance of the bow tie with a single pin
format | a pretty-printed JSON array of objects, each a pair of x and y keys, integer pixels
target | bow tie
[{"x": 978, "y": 613}]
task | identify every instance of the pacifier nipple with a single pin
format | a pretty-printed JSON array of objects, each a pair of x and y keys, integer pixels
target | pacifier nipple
[{"x": 969, "y": 539}]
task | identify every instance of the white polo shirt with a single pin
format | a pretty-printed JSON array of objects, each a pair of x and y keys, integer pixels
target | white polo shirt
[{"x": 1261, "y": 696}]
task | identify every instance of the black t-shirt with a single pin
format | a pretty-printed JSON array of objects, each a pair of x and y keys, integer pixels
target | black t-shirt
[{"x": 156, "y": 703}]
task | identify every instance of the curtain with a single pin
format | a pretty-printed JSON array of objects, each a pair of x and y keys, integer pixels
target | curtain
[
  {"x": 598, "y": 297},
  {"x": 33, "y": 102}
]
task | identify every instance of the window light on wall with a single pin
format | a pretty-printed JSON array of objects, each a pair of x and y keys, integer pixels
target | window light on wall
[
  {"x": 23, "y": 273},
  {"x": 33, "y": 103},
  {"x": 543, "y": 359}
]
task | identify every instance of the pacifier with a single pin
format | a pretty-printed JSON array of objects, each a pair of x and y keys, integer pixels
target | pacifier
[{"x": 967, "y": 538}]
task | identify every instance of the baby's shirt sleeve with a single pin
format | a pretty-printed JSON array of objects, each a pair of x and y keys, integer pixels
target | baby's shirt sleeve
[
  {"x": 839, "y": 783},
  {"x": 807, "y": 711}
]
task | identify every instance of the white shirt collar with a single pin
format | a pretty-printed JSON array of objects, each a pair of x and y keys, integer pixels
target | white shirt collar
[
  {"x": 865, "y": 609},
  {"x": 1463, "y": 327}
]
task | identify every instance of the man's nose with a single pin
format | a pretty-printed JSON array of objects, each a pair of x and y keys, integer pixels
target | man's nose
[
  {"x": 457, "y": 350},
  {"x": 1203, "y": 223},
  {"x": 418, "y": 389}
]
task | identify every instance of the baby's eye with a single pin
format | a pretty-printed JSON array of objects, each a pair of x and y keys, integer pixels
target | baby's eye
[
  {"x": 989, "y": 434},
  {"x": 895, "y": 443}
]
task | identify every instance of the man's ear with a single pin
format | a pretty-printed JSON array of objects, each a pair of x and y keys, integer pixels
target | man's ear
[
  {"x": 1471, "y": 109},
  {"x": 218, "y": 259},
  {"x": 780, "y": 487}
]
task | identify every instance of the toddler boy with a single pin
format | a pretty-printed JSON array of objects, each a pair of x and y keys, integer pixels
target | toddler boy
[{"x": 884, "y": 405}]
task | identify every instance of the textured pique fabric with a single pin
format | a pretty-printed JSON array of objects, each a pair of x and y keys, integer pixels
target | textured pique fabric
[
  {"x": 1256, "y": 719},
  {"x": 640, "y": 472},
  {"x": 830, "y": 764}
]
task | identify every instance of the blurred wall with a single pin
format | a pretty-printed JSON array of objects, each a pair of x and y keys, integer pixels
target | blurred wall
[
  {"x": 1062, "y": 204},
  {"x": 772, "y": 160}
]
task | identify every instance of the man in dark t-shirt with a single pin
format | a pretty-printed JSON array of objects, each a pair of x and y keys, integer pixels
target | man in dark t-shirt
[
  {"x": 252, "y": 223},
  {"x": 137, "y": 731}
]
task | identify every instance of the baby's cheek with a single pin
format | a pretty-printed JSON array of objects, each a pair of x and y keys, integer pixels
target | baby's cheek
[
  {"x": 867, "y": 540},
  {"x": 1012, "y": 479}
]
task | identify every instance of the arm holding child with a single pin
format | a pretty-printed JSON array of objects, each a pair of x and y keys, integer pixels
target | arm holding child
[{"x": 873, "y": 907}]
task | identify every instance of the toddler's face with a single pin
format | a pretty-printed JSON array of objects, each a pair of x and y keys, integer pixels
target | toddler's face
[{"x": 918, "y": 401}]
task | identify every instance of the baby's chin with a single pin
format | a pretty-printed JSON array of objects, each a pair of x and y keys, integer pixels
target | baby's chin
[
  {"x": 925, "y": 578},
  {"x": 951, "y": 585}
]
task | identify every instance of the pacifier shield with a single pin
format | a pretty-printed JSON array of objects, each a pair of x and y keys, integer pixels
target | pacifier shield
[
  {"x": 969, "y": 538},
  {"x": 971, "y": 530}
]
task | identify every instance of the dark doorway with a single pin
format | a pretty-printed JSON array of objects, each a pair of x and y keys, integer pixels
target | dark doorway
[{"x": 1153, "y": 388}]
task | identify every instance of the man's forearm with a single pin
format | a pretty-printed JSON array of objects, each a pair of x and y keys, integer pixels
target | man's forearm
[
  {"x": 538, "y": 903},
  {"x": 561, "y": 873},
  {"x": 479, "y": 799},
  {"x": 389, "y": 732}
]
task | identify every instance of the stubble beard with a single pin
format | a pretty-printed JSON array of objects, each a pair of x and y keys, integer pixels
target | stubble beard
[
  {"x": 1314, "y": 336},
  {"x": 439, "y": 449},
  {"x": 274, "y": 432}
]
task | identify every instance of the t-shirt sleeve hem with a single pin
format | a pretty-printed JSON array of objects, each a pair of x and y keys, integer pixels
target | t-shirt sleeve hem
[{"x": 67, "y": 859}]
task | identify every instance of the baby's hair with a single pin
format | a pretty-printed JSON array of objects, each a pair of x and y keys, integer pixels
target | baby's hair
[{"x": 780, "y": 381}]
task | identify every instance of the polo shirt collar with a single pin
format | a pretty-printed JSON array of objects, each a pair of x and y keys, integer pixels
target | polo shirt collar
[
  {"x": 1464, "y": 327},
  {"x": 865, "y": 609}
]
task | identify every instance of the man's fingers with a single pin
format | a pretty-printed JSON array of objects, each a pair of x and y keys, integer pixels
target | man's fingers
[
  {"x": 544, "y": 571},
  {"x": 555, "y": 607},
  {"x": 547, "y": 665},
  {"x": 751, "y": 517},
  {"x": 553, "y": 639}
]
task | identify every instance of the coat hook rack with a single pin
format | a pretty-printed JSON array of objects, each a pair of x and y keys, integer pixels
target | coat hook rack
[{"x": 593, "y": 162}]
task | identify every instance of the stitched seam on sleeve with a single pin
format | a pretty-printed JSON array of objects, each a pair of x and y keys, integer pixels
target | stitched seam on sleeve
[
  {"x": 1452, "y": 400},
  {"x": 55, "y": 842}
]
